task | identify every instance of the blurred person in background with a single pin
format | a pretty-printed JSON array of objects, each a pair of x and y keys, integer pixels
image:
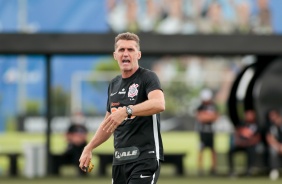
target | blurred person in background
[
  {"x": 207, "y": 114},
  {"x": 245, "y": 138},
  {"x": 76, "y": 137},
  {"x": 173, "y": 21},
  {"x": 133, "y": 15},
  {"x": 122, "y": 15},
  {"x": 135, "y": 100},
  {"x": 243, "y": 16},
  {"x": 274, "y": 140},
  {"x": 149, "y": 14},
  {"x": 213, "y": 19},
  {"x": 262, "y": 18}
]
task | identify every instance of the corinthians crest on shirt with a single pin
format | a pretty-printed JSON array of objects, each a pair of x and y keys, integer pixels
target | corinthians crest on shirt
[{"x": 133, "y": 91}]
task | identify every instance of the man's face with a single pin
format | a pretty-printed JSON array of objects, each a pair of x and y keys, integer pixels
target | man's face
[{"x": 127, "y": 55}]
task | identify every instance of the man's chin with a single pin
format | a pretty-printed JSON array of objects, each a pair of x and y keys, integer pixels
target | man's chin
[{"x": 126, "y": 69}]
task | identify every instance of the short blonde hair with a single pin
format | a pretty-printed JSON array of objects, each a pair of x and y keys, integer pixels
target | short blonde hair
[{"x": 127, "y": 36}]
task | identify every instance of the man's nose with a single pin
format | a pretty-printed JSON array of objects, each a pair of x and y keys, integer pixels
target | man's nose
[{"x": 126, "y": 53}]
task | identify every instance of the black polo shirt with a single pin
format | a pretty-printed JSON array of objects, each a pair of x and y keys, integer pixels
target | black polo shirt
[{"x": 138, "y": 137}]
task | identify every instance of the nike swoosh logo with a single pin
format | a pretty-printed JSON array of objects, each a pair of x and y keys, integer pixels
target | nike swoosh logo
[
  {"x": 112, "y": 94},
  {"x": 141, "y": 176}
]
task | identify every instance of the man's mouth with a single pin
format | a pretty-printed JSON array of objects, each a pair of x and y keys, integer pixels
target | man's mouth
[{"x": 125, "y": 61}]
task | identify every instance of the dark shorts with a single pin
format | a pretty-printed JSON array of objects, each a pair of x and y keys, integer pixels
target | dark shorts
[
  {"x": 141, "y": 172},
  {"x": 207, "y": 140}
]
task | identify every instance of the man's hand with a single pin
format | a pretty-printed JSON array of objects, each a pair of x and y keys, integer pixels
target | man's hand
[
  {"x": 85, "y": 159},
  {"x": 89, "y": 167},
  {"x": 114, "y": 120}
]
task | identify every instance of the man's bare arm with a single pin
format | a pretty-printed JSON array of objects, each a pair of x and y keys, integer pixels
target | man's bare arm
[
  {"x": 154, "y": 105},
  {"x": 99, "y": 138}
]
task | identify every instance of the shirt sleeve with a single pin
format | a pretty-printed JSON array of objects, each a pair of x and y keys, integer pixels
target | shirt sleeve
[{"x": 152, "y": 82}]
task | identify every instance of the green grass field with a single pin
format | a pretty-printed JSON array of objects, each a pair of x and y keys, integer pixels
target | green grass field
[
  {"x": 176, "y": 142},
  {"x": 162, "y": 180},
  {"x": 184, "y": 142}
]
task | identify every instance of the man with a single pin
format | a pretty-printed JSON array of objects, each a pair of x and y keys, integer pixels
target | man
[
  {"x": 76, "y": 137},
  {"x": 246, "y": 138},
  {"x": 274, "y": 140},
  {"x": 207, "y": 114},
  {"x": 135, "y": 99}
]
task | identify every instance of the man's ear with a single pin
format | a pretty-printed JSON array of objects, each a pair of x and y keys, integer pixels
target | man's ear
[
  {"x": 114, "y": 54},
  {"x": 139, "y": 54}
]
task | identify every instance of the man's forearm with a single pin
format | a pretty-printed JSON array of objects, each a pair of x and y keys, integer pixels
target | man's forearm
[
  {"x": 148, "y": 107},
  {"x": 100, "y": 137},
  {"x": 155, "y": 104}
]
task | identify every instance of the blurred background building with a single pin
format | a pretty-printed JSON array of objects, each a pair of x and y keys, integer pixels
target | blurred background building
[{"x": 23, "y": 77}]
